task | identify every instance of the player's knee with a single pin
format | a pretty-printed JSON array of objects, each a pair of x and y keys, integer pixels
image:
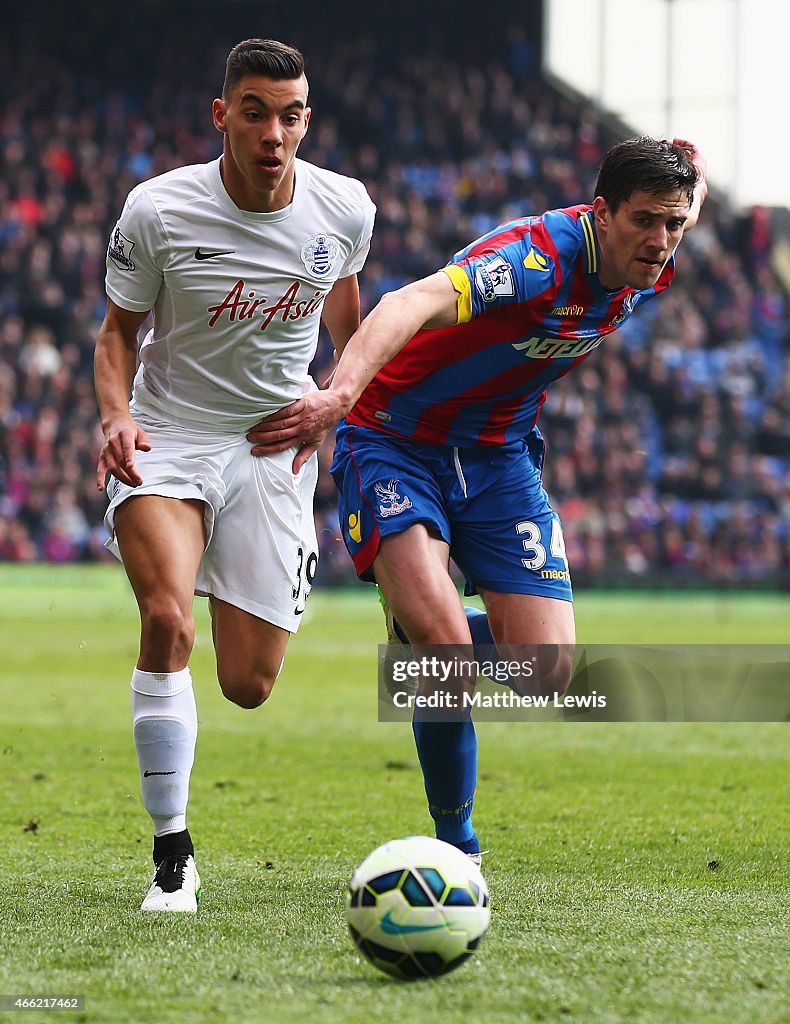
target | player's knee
[
  {"x": 167, "y": 628},
  {"x": 248, "y": 690},
  {"x": 438, "y": 627},
  {"x": 555, "y": 668},
  {"x": 552, "y": 668}
]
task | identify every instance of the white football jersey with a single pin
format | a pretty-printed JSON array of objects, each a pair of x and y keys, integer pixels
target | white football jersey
[{"x": 236, "y": 296}]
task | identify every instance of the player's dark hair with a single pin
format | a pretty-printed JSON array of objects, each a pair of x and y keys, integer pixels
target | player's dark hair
[
  {"x": 645, "y": 165},
  {"x": 266, "y": 57}
]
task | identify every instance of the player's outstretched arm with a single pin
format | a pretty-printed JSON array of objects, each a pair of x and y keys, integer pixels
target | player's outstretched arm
[
  {"x": 114, "y": 366},
  {"x": 430, "y": 302},
  {"x": 701, "y": 190},
  {"x": 341, "y": 316}
]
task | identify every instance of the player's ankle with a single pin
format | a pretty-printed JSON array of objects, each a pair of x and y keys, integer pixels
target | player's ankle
[{"x": 174, "y": 844}]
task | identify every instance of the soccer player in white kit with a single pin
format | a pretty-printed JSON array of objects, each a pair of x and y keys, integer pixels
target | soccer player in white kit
[{"x": 239, "y": 260}]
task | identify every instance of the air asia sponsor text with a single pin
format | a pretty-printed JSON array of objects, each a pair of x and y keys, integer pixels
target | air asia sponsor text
[{"x": 240, "y": 304}]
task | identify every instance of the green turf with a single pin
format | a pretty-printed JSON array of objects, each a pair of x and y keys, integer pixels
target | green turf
[{"x": 638, "y": 871}]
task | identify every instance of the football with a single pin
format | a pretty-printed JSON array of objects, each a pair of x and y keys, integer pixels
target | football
[{"x": 417, "y": 907}]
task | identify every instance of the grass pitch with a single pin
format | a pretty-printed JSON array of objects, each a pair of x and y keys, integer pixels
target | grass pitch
[{"x": 638, "y": 871}]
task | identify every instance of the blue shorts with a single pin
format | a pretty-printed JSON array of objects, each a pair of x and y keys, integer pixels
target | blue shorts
[{"x": 487, "y": 503}]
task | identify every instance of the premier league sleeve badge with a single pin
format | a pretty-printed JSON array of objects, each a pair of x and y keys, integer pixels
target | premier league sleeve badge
[{"x": 120, "y": 250}]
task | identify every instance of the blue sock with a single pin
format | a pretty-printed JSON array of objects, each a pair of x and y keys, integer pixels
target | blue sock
[
  {"x": 478, "y": 626},
  {"x": 448, "y": 758}
]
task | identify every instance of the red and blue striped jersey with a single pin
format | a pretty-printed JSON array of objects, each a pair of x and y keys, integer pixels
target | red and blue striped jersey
[{"x": 530, "y": 308}]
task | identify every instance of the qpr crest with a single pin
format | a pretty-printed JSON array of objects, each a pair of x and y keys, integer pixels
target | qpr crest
[{"x": 319, "y": 254}]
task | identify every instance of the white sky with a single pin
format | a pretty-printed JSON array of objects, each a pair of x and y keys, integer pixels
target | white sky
[{"x": 723, "y": 82}]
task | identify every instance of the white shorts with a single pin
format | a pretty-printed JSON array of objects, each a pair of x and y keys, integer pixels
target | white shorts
[{"x": 261, "y": 550}]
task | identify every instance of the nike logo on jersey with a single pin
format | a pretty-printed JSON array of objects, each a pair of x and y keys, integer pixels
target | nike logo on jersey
[
  {"x": 146, "y": 773},
  {"x": 200, "y": 255}
]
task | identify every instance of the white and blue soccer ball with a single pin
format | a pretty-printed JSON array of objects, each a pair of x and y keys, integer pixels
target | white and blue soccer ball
[{"x": 417, "y": 907}]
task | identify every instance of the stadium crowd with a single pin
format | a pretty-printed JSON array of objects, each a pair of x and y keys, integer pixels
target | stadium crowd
[{"x": 669, "y": 448}]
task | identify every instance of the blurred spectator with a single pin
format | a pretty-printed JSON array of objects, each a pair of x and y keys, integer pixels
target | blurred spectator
[{"x": 668, "y": 450}]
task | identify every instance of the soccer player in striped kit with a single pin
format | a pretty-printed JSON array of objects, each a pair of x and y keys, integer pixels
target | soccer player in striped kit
[{"x": 440, "y": 455}]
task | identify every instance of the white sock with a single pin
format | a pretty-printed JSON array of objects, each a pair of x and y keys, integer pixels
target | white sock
[{"x": 165, "y": 733}]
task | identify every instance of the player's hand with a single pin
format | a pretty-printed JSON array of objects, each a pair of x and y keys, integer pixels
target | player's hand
[
  {"x": 696, "y": 155},
  {"x": 122, "y": 437},
  {"x": 305, "y": 423}
]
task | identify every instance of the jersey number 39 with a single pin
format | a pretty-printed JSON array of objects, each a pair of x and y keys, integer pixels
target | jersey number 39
[{"x": 305, "y": 574}]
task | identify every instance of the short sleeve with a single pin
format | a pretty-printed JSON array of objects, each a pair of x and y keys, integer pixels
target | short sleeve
[
  {"x": 514, "y": 273},
  {"x": 357, "y": 257},
  {"x": 135, "y": 255}
]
